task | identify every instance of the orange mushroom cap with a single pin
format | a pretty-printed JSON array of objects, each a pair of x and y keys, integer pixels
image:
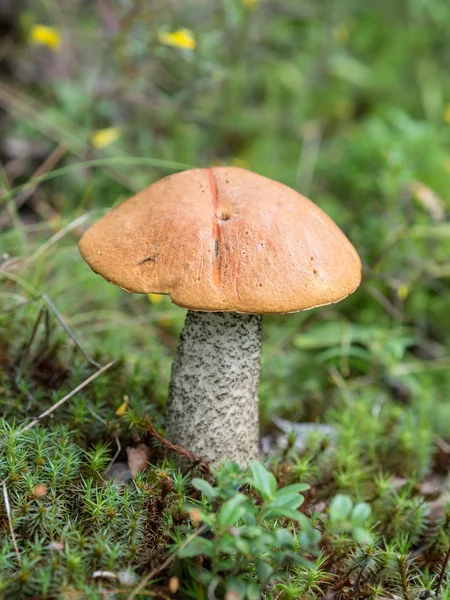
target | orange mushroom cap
[{"x": 224, "y": 239}]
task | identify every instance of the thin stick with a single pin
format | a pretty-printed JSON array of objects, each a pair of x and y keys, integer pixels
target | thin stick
[
  {"x": 165, "y": 564},
  {"x": 386, "y": 304},
  {"x": 443, "y": 571},
  {"x": 61, "y": 321},
  {"x": 150, "y": 428},
  {"x": 11, "y": 528},
  {"x": 47, "y": 329},
  {"x": 70, "y": 395},
  {"x": 23, "y": 302},
  {"x": 57, "y": 236},
  {"x": 68, "y": 330},
  {"x": 118, "y": 451},
  {"x": 75, "y": 224}
]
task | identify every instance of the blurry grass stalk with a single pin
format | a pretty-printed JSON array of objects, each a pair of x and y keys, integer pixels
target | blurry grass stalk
[
  {"x": 100, "y": 162},
  {"x": 10, "y": 521},
  {"x": 68, "y": 396},
  {"x": 309, "y": 154},
  {"x": 52, "y": 159},
  {"x": 55, "y": 238},
  {"x": 11, "y": 210}
]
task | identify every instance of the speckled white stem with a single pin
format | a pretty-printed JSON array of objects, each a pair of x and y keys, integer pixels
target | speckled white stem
[{"x": 212, "y": 409}]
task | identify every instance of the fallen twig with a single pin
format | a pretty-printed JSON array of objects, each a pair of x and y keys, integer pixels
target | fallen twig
[
  {"x": 443, "y": 571},
  {"x": 60, "y": 320},
  {"x": 67, "y": 397},
  {"x": 150, "y": 428},
  {"x": 67, "y": 329},
  {"x": 8, "y": 514}
]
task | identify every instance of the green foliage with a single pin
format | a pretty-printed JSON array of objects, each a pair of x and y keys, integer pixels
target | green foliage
[
  {"x": 346, "y": 517},
  {"x": 243, "y": 539}
]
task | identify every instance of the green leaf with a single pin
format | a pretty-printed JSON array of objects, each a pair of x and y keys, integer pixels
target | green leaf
[
  {"x": 205, "y": 488},
  {"x": 293, "y": 501},
  {"x": 361, "y": 536},
  {"x": 328, "y": 334},
  {"x": 237, "y": 585},
  {"x": 295, "y": 487},
  {"x": 281, "y": 557},
  {"x": 340, "y": 508},
  {"x": 264, "y": 570},
  {"x": 284, "y": 538},
  {"x": 249, "y": 518},
  {"x": 283, "y": 511},
  {"x": 349, "y": 69},
  {"x": 226, "y": 544},
  {"x": 224, "y": 563},
  {"x": 253, "y": 591},
  {"x": 263, "y": 480},
  {"x": 251, "y": 531},
  {"x": 352, "y": 352},
  {"x": 309, "y": 536},
  {"x": 232, "y": 510},
  {"x": 243, "y": 546},
  {"x": 199, "y": 546},
  {"x": 360, "y": 514}
]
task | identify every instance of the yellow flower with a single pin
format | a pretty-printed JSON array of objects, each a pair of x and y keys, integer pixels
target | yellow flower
[
  {"x": 403, "y": 291},
  {"x": 123, "y": 407},
  {"x": 155, "y": 298},
  {"x": 447, "y": 113},
  {"x": 45, "y": 36},
  {"x": 181, "y": 38},
  {"x": 104, "y": 137},
  {"x": 249, "y": 2}
]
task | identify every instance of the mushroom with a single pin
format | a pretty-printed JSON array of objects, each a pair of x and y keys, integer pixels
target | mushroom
[{"x": 229, "y": 245}]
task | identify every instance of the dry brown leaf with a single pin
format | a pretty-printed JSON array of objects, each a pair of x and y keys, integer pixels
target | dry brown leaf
[{"x": 138, "y": 458}]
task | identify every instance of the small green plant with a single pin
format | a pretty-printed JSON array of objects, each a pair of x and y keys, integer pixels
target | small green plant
[
  {"x": 68, "y": 520},
  {"x": 345, "y": 517},
  {"x": 247, "y": 540}
]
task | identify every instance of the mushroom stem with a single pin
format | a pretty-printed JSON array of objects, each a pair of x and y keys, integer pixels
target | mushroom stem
[{"x": 212, "y": 408}]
